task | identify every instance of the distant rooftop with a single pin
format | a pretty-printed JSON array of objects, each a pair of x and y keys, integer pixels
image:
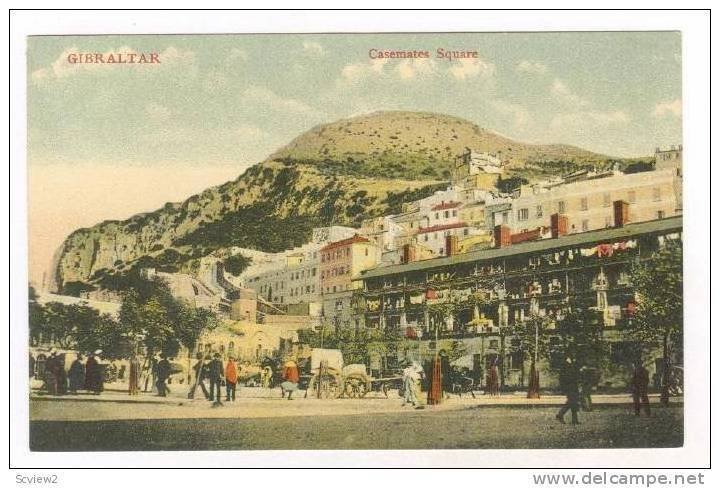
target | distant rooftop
[{"x": 567, "y": 241}]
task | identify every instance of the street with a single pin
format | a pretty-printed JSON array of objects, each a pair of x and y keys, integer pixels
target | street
[{"x": 510, "y": 422}]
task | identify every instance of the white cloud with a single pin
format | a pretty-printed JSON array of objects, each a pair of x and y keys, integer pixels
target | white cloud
[
  {"x": 276, "y": 102},
  {"x": 532, "y": 67},
  {"x": 469, "y": 68},
  {"x": 356, "y": 71},
  {"x": 564, "y": 94},
  {"x": 313, "y": 49},
  {"x": 671, "y": 107},
  {"x": 410, "y": 68},
  {"x": 586, "y": 122},
  {"x": 518, "y": 114}
]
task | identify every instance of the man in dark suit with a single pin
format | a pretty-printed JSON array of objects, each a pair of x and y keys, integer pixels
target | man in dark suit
[
  {"x": 217, "y": 373},
  {"x": 163, "y": 373},
  {"x": 639, "y": 384},
  {"x": 569, "y": 386}
]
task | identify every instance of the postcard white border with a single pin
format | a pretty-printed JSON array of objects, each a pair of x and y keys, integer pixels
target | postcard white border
[{"x": 695, "y": 31}]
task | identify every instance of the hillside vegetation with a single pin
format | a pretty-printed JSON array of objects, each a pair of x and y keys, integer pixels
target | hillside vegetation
[{"x": 338, "y": 173}]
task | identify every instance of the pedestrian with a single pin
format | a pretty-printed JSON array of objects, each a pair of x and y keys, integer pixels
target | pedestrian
[
  {"x": 640, "y": 380},
  {"x": 231, "y": 378},
  {"x": 265, "y": 377},
  {"x": 216, "y": 373},
  {"x": 201, "y": 374},
  {"x": 134, "y": 376},
  {"x": 52, "y": 373},
  {"x": 491, "y": 381},
  {"x": 447, "y": 381},
  {"x": 587, "y": 376},
  {"x": 291, "y": 378},
  {"x": 94, "y": 373},
  {"x": 62, "y": 378},
  {"x": 412, "y": 375},
  {"x": 162, "y": 374},
  {"x": 76, "y": 375},
  {"x": 569, "y": 387}
]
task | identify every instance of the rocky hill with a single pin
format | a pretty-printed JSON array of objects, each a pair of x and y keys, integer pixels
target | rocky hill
[
  {"x": 419, "y": 145},
  {"x": 337, "y": 173}
]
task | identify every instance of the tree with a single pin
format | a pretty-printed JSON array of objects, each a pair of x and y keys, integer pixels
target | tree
[
  {"x": 658, "y": 318},
  {"x": 236, "y": 264},
  {"x": 534, "y": 343},
  {"x": 36, "y": 317},
  {"x": 580, "y": 334},
  {"x": 150, "y": 315}
]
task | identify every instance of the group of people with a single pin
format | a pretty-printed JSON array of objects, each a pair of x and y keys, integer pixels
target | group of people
[
  {"x": 88, "y": 375},
  {"x": 213, "y": 370},
  {"x": 576, "y": 384}
]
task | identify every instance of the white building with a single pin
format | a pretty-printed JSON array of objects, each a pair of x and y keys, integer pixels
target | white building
[
  {"x": 587, "y": 200},
  {"x": 292, "y": 276}
]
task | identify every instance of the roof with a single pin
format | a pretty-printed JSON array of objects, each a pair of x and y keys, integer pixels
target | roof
[
  {"x": 446, "y": 205},
  {"x": 568, "y": 241},
  {"x": 345, "y": 242},
  {"x": 435, "y": 228}
]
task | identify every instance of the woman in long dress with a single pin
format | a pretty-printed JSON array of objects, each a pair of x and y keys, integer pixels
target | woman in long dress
[
  {"x": 94, "y": 374},
  {"x": 134, "y": 376},
  {"x": 76, "y": 375}
]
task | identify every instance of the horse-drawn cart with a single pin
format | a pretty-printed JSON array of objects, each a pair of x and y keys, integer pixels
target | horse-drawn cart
[{"x": 331, "y": 378}]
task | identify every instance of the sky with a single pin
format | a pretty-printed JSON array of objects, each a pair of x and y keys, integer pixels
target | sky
[{"x": 109, "y": 141}]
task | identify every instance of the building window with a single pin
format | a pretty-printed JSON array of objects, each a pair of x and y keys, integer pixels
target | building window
[
  {"x": 505, "y": 217},
  {"x": 538, "y": 211},
  {"x": 561, "y": 207},
  {"x": 631, "y": 196},
  {"x": 437, "y": 215},
  {"x": 606, "y": 200},
  {"x": 585, "y": 225},
  {"x": 313, "y": 271},
  {"x": 656, "y": 194},
  {"x": 426, "y": 237},
  {"x": 454, "y": 213},
  {"x": 583, "y": 203},
  {"x": 523, "y": 214},
  {"x": 367, "y": 251},
  {"x": 465, "y": 232},
  {"x": 334, "y": 288},
  {"x": 661, "y": 214},
  {"x": 447, "y": 214}
]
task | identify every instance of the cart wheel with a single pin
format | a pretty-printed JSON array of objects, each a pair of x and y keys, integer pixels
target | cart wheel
[
  {"x": 355, "y": 387},
  {"x": 325, "y": 386}
]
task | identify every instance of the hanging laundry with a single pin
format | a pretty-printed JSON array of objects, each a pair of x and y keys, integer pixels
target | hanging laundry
[
  {"x": 417, "y": 299},
  {"x": 588, "y": 251},
  {"x": 605, "y": 250},
  {"x": 431, "y": 294}
]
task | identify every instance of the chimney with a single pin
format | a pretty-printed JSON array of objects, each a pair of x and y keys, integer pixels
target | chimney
[
  {"x": 502, "y": 236},
  {"x": 621, "y": 212},
  {"x": 408, "y": 253},
  {"x": 451, "y": 245},
  {"x": 558, "y": 225}
]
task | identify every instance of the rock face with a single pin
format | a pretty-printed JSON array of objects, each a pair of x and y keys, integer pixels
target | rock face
[{"x": 337, "y": 173}]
